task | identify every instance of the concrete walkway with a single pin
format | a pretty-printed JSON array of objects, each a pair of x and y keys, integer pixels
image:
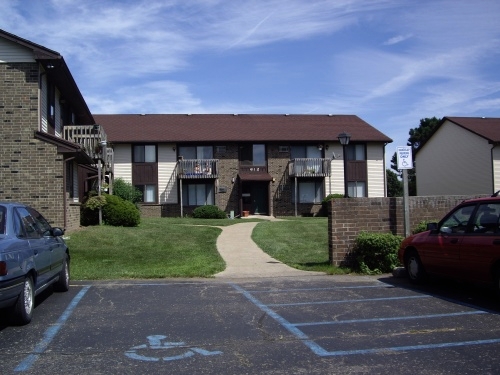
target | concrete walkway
[{"x": 244, "y": 259}]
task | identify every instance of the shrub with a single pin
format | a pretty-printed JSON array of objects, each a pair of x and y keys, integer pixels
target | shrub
[
  {"x": 126, "y": 191},
  {"x": 422, "y": 226},
  {"x": 324, "y": 202},
  {"x": 89, "y": 213},
  {"x": 120, "y": 213},
  {"x": 376, "y": 253},
  {"x": 209, "y": 212}
]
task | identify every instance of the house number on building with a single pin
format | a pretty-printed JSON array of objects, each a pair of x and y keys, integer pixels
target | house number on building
[
  {"x": 254, "y": 169},
  {"x": 154, "y": 350}
]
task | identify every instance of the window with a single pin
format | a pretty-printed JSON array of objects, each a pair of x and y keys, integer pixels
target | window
[
  {"x": 196, "y": 152},
  {"x": 487, "y": 218},
  {"x": 356, "y": 189},
  {"x": 30, "y": 225},
  {"x": 253, "y": 154},
  {"x": 51, "y": 106},
  {"x": 2, "y": 219},
  {"x": 356, "y": 152},
  {"x": 305, "y": 151},
  {"x": 148, "y": 193},
  {"x": 144, "y": 154},
  {"x": 458, "y": 220},
  {"x": 310, "y": 191},
  {"x": 145, "y": 172},
  {"x": 197, "y": 194},
  {"x": 70, "y": 186}
]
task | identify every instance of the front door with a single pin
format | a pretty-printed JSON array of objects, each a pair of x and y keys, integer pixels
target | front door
[
  {"x": 255, "y": 197},
  {"x": 260, "y": 198}
]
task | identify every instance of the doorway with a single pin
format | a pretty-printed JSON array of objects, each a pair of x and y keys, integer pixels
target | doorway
[{"x": 255, "y": 197}]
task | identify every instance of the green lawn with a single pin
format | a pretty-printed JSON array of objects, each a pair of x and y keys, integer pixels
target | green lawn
[{"x": 176, "y": 247}]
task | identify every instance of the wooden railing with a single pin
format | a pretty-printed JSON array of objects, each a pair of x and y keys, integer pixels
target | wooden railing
[
  {"x": 93, "y": 139},
  {"x": 197, "y": 168},
  {"x": 309, "y": 167}
]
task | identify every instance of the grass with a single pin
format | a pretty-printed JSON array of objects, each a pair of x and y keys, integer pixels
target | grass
[
  {"x": 298, "y": 242},
  {"x": 185, "y": 247}
]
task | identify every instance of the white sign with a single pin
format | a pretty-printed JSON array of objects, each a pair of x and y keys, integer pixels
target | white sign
[{"x": 405, "y": 159}]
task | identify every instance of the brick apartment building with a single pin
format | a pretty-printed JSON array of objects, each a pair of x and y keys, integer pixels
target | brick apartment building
[
  {"x": 261, "y": 164},
  {"x": 49, "y": 148}
]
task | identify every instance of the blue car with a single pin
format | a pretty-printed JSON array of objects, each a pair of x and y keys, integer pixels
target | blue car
[{"x": 33, "y": 256}]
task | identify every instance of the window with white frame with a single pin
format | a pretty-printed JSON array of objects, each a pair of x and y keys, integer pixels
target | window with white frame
[
  {"x": 197, "y": 194},
  {"x": 309, "y": 191},
  {"x": 145, "y": 171},
  {"x": 356, "y": 189}
]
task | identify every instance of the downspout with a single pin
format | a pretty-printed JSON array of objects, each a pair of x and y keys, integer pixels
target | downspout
[
  {"x": 385, "y": 173},
  {"x": 65, "y": 203},
  {"x": 493, "y": 167}
]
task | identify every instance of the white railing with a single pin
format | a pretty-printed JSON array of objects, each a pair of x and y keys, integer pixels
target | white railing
[{"x": 309, "y": 167}]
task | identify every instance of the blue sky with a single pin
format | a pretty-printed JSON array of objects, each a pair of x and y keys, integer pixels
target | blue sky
[{"x": 391, "y": 62}]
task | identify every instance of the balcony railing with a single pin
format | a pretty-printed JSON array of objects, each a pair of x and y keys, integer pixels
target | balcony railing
[
  {"x": 309, "y": 167},
  {"x": 197, "y": 168},
  {"x": 93, "y": 139}
]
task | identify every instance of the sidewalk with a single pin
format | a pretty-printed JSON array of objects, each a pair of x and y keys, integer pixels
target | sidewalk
[{"x": 244, "y": 259}]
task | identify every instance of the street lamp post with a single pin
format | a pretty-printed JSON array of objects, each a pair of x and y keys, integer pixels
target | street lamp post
[{"x": 344, "y": 139}]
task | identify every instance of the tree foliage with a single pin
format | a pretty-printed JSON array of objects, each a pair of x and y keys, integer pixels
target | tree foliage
[
  {"x": 394, "y": 184},
  {"x": 418, "y": 137}
]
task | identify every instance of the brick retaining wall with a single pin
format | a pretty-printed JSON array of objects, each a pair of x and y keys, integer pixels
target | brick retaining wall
[{"x": 348, "y": 217}]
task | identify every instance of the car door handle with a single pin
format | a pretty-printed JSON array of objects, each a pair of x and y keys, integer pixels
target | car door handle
[{"x": 496, "y": 242}]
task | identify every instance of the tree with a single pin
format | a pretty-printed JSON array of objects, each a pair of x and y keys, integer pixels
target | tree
[
  {"x": 394, "y": 184},
  {"x": 418, "y": 136}
]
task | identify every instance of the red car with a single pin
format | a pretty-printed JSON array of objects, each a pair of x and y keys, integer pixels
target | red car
[{"x": 464, "y": 245}]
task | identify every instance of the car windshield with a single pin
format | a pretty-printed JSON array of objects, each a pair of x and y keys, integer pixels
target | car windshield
[{"x": 2, "y": 219}]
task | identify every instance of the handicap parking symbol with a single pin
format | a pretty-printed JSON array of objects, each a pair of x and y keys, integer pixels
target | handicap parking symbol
[{"x": 154, "y": 349}]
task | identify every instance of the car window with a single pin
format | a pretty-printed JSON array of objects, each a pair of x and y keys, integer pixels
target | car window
[
  {"x": 28, "y": 222},
  {"x": 458, "y": 220},
  {"x": 2, "y": 219},
  {"x": 486, "y": 218},
  {"x": 42, "y": 224},
  {"x": 18, "y": 225}
]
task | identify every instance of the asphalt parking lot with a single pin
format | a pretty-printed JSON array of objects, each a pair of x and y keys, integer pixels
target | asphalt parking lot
[{"x": 316, "y": 325}]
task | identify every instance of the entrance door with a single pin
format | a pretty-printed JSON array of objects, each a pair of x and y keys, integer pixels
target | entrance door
[{"x": 260, "y": 198}]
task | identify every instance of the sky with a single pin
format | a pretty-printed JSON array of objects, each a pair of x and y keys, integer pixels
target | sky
[{"x": 390, "y": 62}]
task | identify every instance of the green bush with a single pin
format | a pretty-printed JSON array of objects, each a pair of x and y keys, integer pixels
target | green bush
[
  {"x": 209, "y": 212},
  {"x": 325, "y": 202},
  {"x": 376, "y": 253},
  {"x": 89, "y": 212},
  {"x": 126, "y": 191},
  {"x": 120, "y": 213},
  {"x": 422, "y": 226}
]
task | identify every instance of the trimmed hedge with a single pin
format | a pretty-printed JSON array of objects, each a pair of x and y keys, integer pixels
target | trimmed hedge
[
  {"x": 120, "y": 213},
  {"x": 377, "y": 253},
  {"x": 209, "y": 212}
]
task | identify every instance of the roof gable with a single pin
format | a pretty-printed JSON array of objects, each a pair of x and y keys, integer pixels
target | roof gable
[
  {"x": 488, "y": 128},
  {"x": 233, "y": 128}
]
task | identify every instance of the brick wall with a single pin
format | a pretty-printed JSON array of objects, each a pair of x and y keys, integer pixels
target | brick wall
[
  {"x": 348, "y": 217},
  {"x": 31, "y": 171}
]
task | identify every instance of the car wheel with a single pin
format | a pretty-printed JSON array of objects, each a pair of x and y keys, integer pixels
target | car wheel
[
  {"x": 23, "y": 309},
  {"x": 414, "y": 267},
  {"x": 62, "y": 285}
]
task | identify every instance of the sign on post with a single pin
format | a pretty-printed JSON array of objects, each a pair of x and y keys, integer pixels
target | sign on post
[
  {"x": 404, "y": 156},
  {"x": 405, "y": 162}
]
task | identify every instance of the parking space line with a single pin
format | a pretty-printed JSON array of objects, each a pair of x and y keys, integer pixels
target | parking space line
[
  {"x": 50, "y": 333},
  {"x": 347, "y": 301},
  {"x": 314, "y": 289},
  {"x": 388, "y": 319},
  {"x": 320, "y": 351}
]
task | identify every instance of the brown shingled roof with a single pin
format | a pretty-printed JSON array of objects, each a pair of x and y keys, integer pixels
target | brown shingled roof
[
  {"x": 229, "y": 128},
  {"x": 488, "y": 128}
]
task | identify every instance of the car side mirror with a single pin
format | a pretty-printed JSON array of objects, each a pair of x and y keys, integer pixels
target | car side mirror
[
  {"x": 432, "y": 226},
  {"x": 56, "y": 232}
]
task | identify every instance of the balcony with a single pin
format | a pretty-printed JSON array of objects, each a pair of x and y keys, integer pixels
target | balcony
[
  {"x": 93, "y": 140},
  {"x": 309, "y": 167},
  {"x": 197, "y": 168}
]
